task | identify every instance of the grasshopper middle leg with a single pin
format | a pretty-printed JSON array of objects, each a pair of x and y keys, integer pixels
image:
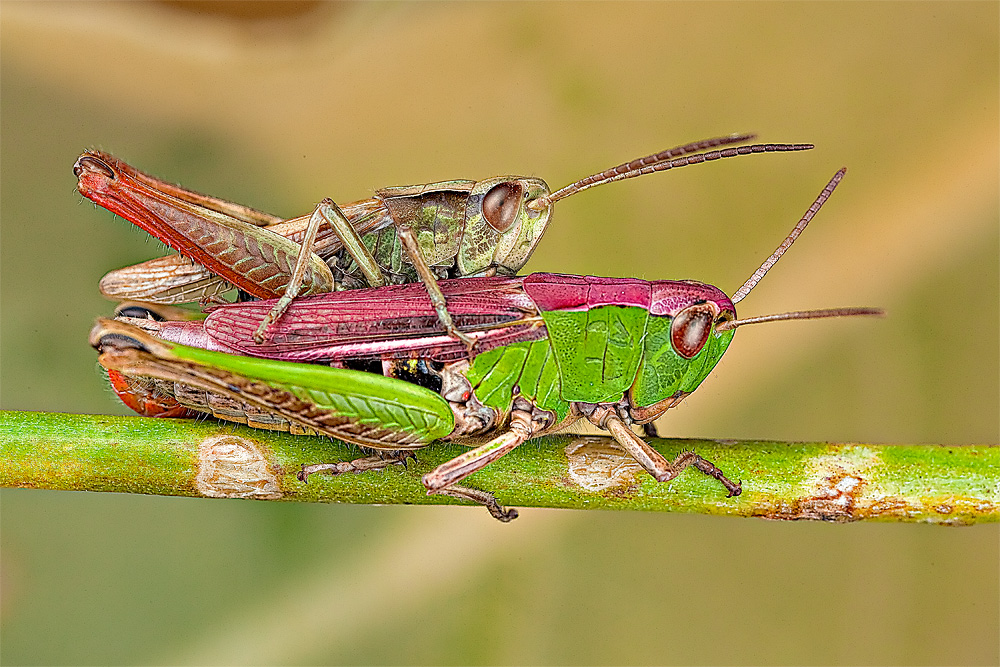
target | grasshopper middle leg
[{"x": 328, "y": 211}]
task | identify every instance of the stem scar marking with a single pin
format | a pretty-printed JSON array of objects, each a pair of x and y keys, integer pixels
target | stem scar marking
[
  {"x": 233, "y": 467},
  {"x": 595, "y": 464}
]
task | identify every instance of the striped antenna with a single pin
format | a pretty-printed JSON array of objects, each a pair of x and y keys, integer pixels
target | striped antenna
[
  {"x": 790, "y": 239},
  {"x": 664, "y": 160},
  {"x": 801, "y": 315}
]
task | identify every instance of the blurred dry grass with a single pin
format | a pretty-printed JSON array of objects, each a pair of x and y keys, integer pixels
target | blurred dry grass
[{"x": 278, "y": 106}]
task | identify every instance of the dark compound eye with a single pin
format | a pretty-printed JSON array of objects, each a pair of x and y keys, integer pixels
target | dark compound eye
[
  {"x": 117, "y": 341},
  {"x": 137, "y": 311},
  {"x": 690, "y": 329},
  {"x": 501, "y": 203}
]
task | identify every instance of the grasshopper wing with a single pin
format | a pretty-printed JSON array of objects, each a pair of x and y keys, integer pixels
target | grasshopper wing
[
  {"x": 363, "y": 408},
  {"x": 397, "y": 321}
]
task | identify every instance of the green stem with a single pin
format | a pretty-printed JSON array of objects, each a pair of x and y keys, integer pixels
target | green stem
[{"x": 834, "y": 482}]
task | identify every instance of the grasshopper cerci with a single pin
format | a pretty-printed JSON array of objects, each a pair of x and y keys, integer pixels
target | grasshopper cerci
[
  {"x": 402, "y": 234},
  {"x": 554, "y": 349}
]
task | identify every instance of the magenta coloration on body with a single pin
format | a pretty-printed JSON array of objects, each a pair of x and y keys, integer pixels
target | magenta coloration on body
[
  {"x": 398, "y": 321},
  {"x": 386, "y": 322},
  {"x": 671, "y": 296},
  {"x": 555, "y": 291}
]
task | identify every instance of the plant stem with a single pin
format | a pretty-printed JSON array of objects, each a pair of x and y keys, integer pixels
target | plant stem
[{"x": 832, "y": 482}]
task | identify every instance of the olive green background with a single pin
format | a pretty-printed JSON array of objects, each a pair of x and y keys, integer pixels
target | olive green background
[{"x": 277, "y": 106}]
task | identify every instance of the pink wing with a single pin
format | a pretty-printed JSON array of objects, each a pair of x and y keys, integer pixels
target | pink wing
[{"x": 397, "y": 321}]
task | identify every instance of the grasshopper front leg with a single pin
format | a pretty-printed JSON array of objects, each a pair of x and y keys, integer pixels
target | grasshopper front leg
[
  {"x": 409, "y": 241},
  {"x": 655, "y": 464}
]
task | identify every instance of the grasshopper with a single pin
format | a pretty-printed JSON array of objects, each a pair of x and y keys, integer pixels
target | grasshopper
[
  {"x": 554, "y": 349},
  {"x": 402, "y": 234}
]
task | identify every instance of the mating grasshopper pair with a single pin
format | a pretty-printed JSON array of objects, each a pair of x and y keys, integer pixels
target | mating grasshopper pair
[{"x": 551, "y": 349}]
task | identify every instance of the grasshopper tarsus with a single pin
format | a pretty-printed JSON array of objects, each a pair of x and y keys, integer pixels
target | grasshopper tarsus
[
  {"x": 260, "y": 335},
  {"x": 690, "y": 458},
  {"x": 379, "y": 461},
  {"x": 469, "y": 342},
  {"x": 484, "y": 498},
  {"x": 406, "y": 455}
]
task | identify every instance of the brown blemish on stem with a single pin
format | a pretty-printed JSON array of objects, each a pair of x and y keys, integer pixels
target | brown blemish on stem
[
  {"x": 233, "y": 467},
  {"x": 839, "y": 487},
  {"x": 843, "y": 486},
  {"x": 599, "y": 464}
]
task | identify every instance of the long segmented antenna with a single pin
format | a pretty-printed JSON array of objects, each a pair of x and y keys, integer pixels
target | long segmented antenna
[
  {"x": 800, "y": 315},
  {"x": 666, "y": 160},
  {"x": 776, "y": 255},
  {"x": 790, "y": 239}
]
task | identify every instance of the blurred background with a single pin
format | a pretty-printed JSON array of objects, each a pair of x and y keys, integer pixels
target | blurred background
[{"x": 280, "y": 105}]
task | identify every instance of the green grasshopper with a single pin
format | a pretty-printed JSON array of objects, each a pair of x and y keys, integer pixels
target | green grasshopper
[
  {"x": 554, "y": 349},
  {"x": 402, "y": 234}
]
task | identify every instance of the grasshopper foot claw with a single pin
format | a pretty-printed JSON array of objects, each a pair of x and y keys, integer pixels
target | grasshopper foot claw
[
  {"x": 484, "y": 498},
  {"x": 732, "y": 488}
]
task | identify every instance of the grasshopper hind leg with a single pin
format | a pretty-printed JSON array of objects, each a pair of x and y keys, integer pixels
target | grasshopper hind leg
[
  {"x": 380, "y": 461},
  {"x": 383, "y": 459},
  {"x": 484, "y": 498}
]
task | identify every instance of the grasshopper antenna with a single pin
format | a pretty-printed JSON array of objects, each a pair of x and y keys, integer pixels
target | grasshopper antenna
[
  {"x": 790, "y": 239},
  {"x": 773, "y": 259},
  {"x": 664, "y": 160},
  {"x": 801, "y": 315}
]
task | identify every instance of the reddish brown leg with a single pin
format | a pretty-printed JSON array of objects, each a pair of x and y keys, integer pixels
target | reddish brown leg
[
  {"x": 650, "y": 459},
  {"x": 379, "y": 461}
]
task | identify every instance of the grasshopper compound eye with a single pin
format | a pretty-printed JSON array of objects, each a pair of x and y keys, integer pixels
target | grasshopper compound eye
[
  {"x": 134, "y": 310},
  {"x": 501, "y": 204},
  {"x": 118, "y": 342},
  {"x": 690, "y": 329}
]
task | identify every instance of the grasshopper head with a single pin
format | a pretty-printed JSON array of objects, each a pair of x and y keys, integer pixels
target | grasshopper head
[
  {"x": 683, "y": 343},
  {"x": 691, "y": 325},
  {"x": 501, "y": 231}
]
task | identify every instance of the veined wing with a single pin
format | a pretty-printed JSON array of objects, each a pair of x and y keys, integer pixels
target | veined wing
[
  {"x": 364, "y": 408},
  {"x": 397, "y": 321},
  {"x": 176, "y": 279}
]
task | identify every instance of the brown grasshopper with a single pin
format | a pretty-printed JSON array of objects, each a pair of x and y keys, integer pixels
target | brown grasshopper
[{"x": 402, "y": 234}]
